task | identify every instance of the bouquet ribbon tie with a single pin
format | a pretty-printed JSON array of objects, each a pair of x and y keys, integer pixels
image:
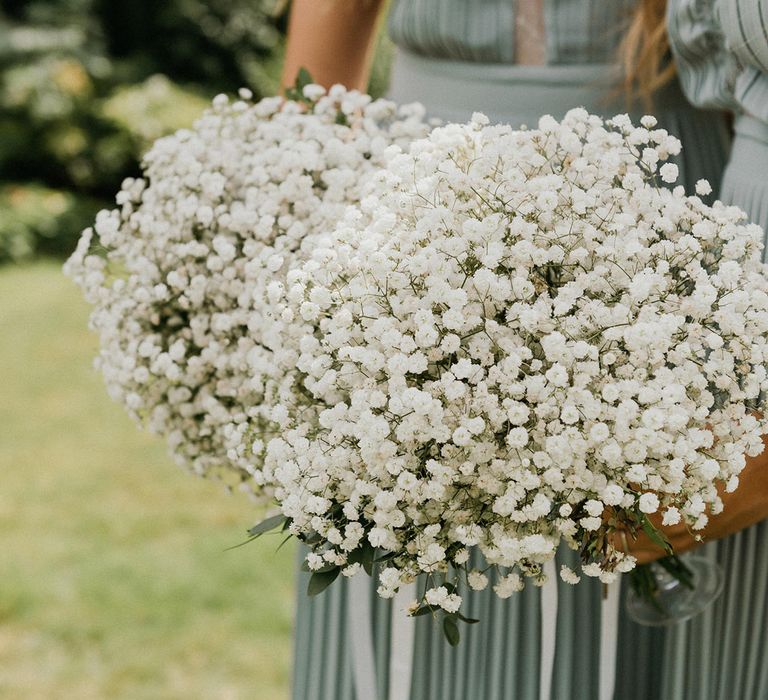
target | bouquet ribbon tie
[
  {"x": 361, "y": 636},
  {"x": 548, "y": 630},
  {"x": 609, "y": 640},
  {"x": 403, "y": 630}
]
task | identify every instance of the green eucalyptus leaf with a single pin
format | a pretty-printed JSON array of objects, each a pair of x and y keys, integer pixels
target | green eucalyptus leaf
[
  {"x": 267, "y": 525},
  {"x": 468, "y": 620},
  {"x": 282, "y": 544},
  {"x": 325, "y": 569},
  {"x": 311, "y": 538},
  {"x": 303, "y": 79},
  {"x": 320, "y": 580},
  {"x": 368, "y": 555},
  {"x": 240, "y": 544},
  {"x": 385, "y": 557},
  {"x": 363, "y": 555},
  {"x": 451, "y": 630},
  {"x": 656, "y": 536},
  {"x": 355, "y": 556}
]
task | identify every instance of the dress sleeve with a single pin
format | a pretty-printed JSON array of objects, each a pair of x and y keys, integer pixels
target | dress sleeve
[
  {"x": 707, "y": 70},
  {"x": 744, "y": 25}
]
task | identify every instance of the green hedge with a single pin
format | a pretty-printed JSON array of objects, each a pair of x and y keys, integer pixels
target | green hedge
[{"x": 87, "y": 85}]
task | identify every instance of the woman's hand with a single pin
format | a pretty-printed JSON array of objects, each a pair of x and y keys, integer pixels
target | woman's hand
[
  {"x": 333, "y": 40},
  {"x": 745, "y": 507}
]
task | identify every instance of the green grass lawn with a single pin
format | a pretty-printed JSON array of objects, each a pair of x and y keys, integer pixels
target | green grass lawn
[{"x": 114, "y": 579}]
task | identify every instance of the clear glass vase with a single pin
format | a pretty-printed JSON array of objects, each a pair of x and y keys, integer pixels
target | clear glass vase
[{"x": 673, "y": 589}]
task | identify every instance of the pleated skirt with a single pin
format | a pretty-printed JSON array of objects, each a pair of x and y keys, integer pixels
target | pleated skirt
[
  {"x": 723, "y": 653},
  {"x": 499, "y": 658}
]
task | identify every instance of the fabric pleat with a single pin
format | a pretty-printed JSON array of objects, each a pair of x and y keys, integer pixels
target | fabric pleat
[{"x": 721, "y": 653}]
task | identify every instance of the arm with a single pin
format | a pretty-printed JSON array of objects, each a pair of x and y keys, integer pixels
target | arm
[
  {"x": 746, "y": 506},
  {"x": 333, "y": 40},
  {"x": 704, "y": 65},
  {"x": 745, "y": 27}
]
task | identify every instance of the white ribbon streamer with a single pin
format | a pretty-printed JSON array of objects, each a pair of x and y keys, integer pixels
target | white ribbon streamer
[
  {"x": 548, "y": 630},
  {"x": 609, "y": 640},
  {"x": 402, "y": 634},
  {"x": 359, "y": 621}
]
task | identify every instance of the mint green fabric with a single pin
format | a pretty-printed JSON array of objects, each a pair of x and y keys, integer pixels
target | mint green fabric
[
  {"x": 745, "y": 182},
  {"x": 498, "y": 659},
  {"x": 721, "y": 48},
  {"x": 578, "y": 31}
]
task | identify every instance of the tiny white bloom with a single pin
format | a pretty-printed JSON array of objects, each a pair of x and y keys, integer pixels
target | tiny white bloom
[
  {"x": 648, "y": 503},
  {"x": 703, "y": 187},
  {"x": 569, "y": 575}
]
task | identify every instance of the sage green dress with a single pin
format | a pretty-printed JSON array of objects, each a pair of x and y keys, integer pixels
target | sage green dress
[
  {"x": 721, "y": 50},
  {"x": 456, "y": 57}
]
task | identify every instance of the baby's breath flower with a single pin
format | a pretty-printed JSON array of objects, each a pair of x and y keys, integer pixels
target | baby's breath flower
[
  {"x": 703, "y": 187},
  {"x": 569, "y": 575},
  {"x": 500, "y": 346},
  {"x": 188, "y": 291}
]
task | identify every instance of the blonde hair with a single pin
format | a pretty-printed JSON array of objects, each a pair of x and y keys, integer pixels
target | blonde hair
[{"x": 644, "y": 53}]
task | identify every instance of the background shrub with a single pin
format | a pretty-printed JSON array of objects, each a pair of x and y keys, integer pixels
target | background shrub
[{"x": 87, "y": 85}]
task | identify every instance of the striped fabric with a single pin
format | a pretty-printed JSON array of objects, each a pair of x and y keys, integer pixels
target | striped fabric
[
  {"x": 741, "y": 650},
  {"x": 721, "y": 50},
  {"x": 580, "y": 31},
  {"x": 745, "y": 27},
  {"x": 745, "y": 183}
]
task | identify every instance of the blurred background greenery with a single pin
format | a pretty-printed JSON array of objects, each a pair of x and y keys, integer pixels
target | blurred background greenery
[
  {"x": 114, "y": 579},
  {"x": 87, "y": 85}
]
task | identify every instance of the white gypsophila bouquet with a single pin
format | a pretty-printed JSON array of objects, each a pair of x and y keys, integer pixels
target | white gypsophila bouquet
[
  {"x": 178, "y": 273},
  {"x": 518, "y": 338}
]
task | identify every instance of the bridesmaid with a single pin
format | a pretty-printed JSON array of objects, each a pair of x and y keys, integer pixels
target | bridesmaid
[
  {"x": 721, "y": 50},
  {"x": 514, "y": 61}
]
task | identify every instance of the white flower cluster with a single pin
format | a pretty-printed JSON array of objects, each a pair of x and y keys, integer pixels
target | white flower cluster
[
  {"x": 179, "y": 273},
  {"x": 518, "y": 338}
]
